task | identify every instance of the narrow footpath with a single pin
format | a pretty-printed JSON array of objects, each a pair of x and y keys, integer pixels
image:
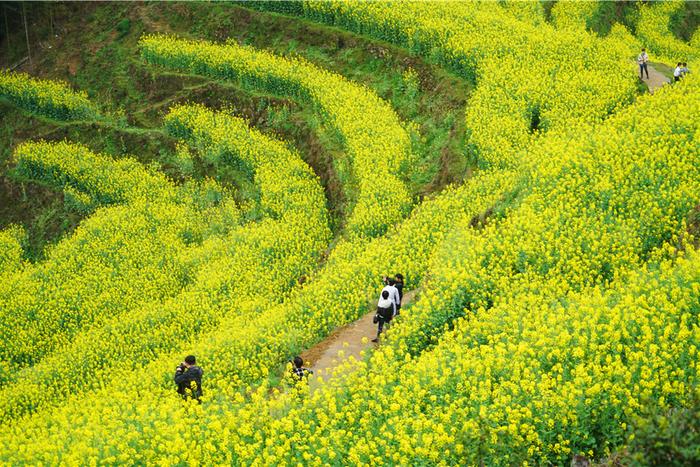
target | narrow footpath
[
  {"x": 345, "y": 342},
  {"x": 656, "y": 79}
]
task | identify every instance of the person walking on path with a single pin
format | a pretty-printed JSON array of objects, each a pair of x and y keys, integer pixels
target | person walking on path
[
  {"x": 399, "y": 286},
  {"x": 678, "y": 72},
  {"x": 386, "y": 308},
  {"x": 642, "y": 60},
  {"x": 393, "y": 291},
  {"x": 188, "y": 377}
]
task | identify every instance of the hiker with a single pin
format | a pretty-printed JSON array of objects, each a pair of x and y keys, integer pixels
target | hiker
[
  {"x": 642, "y": 59},
  {"x": 299, "y": 372},
  {"x": 678, "y": 72},
  {"x": 188, "y": 377},
  {"x": 399, "y": 287},
  {"x": 393, "y": 291},
  {"x": 386, "y": 308}
]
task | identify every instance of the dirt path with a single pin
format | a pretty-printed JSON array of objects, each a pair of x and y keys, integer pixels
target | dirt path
[
  {"x": 656, "y": 79},
  {"x": 352, "y": 339}
]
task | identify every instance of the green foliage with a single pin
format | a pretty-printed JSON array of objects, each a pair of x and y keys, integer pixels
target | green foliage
[
  {"x": 684, "y": 22},
  {"x": 606, "y": 14},
  {"x": 123, "y": 27},
  {"x": 666, "y": 436}
]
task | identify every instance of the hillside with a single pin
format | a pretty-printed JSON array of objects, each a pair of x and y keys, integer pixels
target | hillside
[
  {"x": 232, "y": 180},
  {"x": 111, "y": 72}
]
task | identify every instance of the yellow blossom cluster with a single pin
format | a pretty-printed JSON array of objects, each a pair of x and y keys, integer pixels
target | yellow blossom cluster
[
  {"x": 374, "y": 139},
  {"x": 11, "y": 239},
  {"x": 117, "y": 259},
  {"x": 532, "y": 380},
  {"x": 241, "y": 350},
  {"x": 540, "y": 334},
  {"x": 559, "y": 285},
  {"x": 573, "y": 15},
  {"x": 289, "y": 190},
  {"x": 530, "y": 77},
  {"x": 92, "y": 178},
  {"x": 211, "y": 273},
  {"x": 49, "y": 98}
]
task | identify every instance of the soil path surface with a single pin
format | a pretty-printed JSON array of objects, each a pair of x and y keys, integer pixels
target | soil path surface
[
  {"x": 656, "y": 79},
  {"x": 352, "y": 339}
]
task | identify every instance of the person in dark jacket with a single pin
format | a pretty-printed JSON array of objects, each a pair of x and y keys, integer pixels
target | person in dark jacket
[
  {"x": 386, "y": 307},
  {"x": 188, "y": 377},
  {"x": 299, "y": 372},
  {"x": 399, "y": 286}
]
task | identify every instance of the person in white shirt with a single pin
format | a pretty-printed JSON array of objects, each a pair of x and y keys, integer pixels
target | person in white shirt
[
  {"x": 393, "y": 293},
  {"x": 642, "y": 59},
  {"x": 386, "y": 307},
  {"x": 678, "y": 72}
]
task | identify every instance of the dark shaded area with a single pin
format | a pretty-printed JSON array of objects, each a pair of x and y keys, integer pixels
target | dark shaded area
[
  {"x": 547, "y": 6},
  {"x": 694, "y": 225},
  {"x": 686, "y": 21},
  {"x": 665, "y": 436},
  {"x": 625, "y": 12},
  {"x": 535, "y": 119}
]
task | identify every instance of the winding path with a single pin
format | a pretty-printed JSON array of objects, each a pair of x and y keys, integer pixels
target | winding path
[{"x": 352, "y": 340}]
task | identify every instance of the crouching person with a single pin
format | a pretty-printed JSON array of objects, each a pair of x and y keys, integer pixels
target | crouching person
[
  {"x": 188, "y": 377},
  {"x": 299, "y": 372},
  {"x": 298, "y": 378}
]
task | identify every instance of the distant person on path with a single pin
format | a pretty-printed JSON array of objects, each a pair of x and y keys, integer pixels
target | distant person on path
[
  {"x": 386, "y": 308},
  {"x": 643, "y": 59},
  {"x": 299, "y": 371},
  {"x": 399, "y": 287},
  {"x": 678, "y": 72},
  {"x": 188, "y": 377}
]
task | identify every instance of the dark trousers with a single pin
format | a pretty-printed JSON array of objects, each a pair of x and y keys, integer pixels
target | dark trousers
[
  {"x": 380, "y": 325},
  {"x": 643, "y": 69}
]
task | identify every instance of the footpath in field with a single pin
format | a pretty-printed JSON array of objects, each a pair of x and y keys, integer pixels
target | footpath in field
[
  {"x": 351, "y": 339},
  {"x": 656, "y": 79}
]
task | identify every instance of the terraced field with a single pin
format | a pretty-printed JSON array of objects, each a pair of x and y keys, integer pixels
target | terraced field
[{"x": 236, "y": 191}]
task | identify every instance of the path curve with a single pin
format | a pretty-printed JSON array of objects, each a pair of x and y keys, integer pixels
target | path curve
[
  {"x": 656, "y": 79},
  {"x": 352, "y": 339}
]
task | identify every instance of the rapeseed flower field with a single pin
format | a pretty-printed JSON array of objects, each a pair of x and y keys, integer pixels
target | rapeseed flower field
[{"x": 559, "y": 284}]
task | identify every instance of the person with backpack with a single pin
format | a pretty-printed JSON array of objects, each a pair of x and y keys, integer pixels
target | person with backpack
[
  {"x": 642, "y": 60},
  {"x": 399, "y": 287},
  {"x": 386, "y": 308},
  {"x": 299, "y": 373},
  {"x": 188, "y": 377}
]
